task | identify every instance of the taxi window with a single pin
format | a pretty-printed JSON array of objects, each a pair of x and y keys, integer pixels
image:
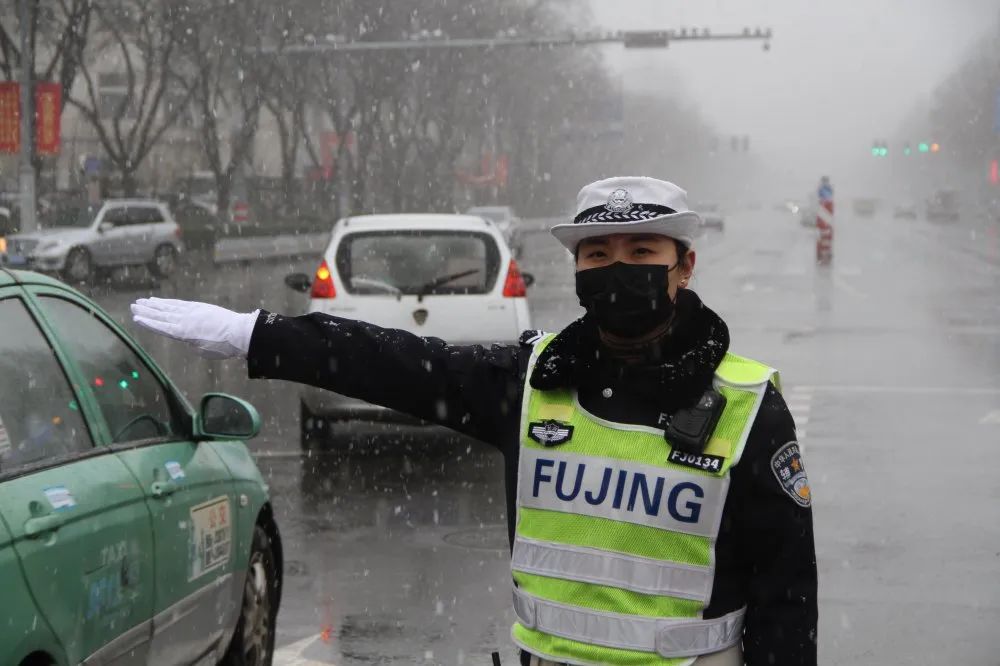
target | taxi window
[
  {"x": 40, "y": 420},
  {"x": 135, "y": 405},
  {"x": 412, "y": 262}
]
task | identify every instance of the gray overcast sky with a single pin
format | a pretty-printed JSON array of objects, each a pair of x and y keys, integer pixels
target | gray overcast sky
[{"x": 839, "y": 73}]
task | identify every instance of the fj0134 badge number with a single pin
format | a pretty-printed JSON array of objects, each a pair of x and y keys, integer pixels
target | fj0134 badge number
[{"x": 702, "y": 461}]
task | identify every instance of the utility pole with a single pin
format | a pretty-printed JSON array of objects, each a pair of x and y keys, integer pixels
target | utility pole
[{"x": 29, "y": 221}]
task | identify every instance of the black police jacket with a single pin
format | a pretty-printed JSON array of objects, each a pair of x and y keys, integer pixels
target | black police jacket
[{"x": 765, "y": 554}]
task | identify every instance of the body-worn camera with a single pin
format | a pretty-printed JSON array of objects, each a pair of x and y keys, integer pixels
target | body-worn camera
[{"x": 691, "y": 428}]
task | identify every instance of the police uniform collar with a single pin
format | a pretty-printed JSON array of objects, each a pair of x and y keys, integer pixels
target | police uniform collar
[{"x": 691, "y": 353}]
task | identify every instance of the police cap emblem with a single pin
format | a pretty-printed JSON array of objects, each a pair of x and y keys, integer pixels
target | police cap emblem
[
  {"x": 619, "y": 201},
  {"x": 786, "y": 464},
  {"x": 550, "y": 433}
]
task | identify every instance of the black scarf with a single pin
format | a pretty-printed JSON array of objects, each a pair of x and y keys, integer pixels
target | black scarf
[{"x": 674, "y": 374}]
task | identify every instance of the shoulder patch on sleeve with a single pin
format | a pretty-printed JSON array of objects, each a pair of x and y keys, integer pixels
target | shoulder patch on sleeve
[
  {"x": 530, "y": 338},
  {"x": 786, "y": 464}
]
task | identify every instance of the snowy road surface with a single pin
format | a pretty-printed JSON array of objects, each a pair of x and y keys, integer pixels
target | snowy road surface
[{"x": 890, "y": 363}]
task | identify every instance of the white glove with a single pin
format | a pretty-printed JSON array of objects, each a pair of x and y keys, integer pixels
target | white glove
[{"x": 216, "y": 332}]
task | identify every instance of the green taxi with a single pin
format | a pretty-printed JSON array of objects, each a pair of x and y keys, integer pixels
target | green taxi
[{"x": 133, "y": 528}]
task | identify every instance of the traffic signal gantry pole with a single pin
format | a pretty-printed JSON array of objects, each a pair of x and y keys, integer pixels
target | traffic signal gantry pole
[{"x": 630, "y": 39}]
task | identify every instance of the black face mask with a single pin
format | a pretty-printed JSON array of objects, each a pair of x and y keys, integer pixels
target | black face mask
[{"x": 627, "y": 300}]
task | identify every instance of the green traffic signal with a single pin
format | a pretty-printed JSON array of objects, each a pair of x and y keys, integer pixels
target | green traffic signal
[
  {"x": 875, "y": 151},
  {"x": 883, "y": 151},
  {"x": 923, "y": 147},
  {"x": 906, "y": 150}
]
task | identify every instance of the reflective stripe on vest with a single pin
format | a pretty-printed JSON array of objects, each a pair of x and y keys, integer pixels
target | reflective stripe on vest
[
  {"x": 613, "y": 557},
  {"x": 665, "y": 637},
  {"x": 639, "y": 574}
]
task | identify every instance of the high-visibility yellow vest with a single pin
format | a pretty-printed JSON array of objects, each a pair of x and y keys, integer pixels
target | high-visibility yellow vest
[{"x": 614, "y": 549}]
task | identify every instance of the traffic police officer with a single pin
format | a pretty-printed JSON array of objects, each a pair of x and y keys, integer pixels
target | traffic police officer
[{"x": 658, "y": 506}]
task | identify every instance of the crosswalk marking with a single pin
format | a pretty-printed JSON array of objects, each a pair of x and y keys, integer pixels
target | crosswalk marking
[{"x": 799, "y": 401}]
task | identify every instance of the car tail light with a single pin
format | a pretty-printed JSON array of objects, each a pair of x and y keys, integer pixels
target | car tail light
[
  {"x": 513, "y": 286},
  {"x": 322, "y": 286}
]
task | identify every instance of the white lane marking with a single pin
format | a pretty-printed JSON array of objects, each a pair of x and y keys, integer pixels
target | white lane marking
[
  {"x": 848, "y": 287},
  {"x": 799, "y": 402},
  {"x": 291, "y": 655},
  {"x": 913, "y": 390},
  {"x": 993, "y": 418}
]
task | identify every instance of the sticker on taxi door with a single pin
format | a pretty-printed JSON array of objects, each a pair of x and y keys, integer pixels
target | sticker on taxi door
[{"x": 211, "y": 536}]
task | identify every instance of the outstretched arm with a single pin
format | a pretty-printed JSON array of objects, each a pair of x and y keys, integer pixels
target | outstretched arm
[{"x": 472, "y": 389}]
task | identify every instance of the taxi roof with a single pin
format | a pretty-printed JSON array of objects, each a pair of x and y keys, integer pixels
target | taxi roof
[{"x": 10, "y": 277}]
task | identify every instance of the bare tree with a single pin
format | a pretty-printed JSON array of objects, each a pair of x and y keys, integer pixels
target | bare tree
[
  {"x": 135, "y": 41},
  {"x": 56, "y": 35},
  {"x": 286, "y": 100},
  {"x": 227, "y": 82}
]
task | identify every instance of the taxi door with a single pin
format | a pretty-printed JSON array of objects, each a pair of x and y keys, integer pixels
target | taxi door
[
  {"x": 77, "y": 519},
  {"x": 188, "y": 488}
]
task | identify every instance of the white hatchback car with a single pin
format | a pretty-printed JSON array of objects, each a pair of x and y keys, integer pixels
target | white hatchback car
[{"x": 446, "y": 276}]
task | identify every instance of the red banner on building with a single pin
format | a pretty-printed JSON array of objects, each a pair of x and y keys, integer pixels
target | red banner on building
[
  {"x": 10, "y": 117},
  {"x": 48, "y": 109}
]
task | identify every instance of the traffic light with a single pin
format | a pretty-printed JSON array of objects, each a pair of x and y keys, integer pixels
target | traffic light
[
  {"x": 923, "y": 147},
  {"x": 935, "y": 147},
  {"x": 880, "y": 149},
  {"x": 906, "y": 149}
]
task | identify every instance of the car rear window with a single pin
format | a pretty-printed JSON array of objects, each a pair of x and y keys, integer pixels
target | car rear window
[{"x": 414, "y": 262}]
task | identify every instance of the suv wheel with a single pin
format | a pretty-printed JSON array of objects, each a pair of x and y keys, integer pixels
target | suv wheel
[
  {"x": 253, "y": 640},
  {"x": 78, "y": 267},
  {"x": 164, "y": 262}
]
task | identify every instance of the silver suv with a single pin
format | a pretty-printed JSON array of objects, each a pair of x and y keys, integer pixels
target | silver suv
[{"x": 77, "y": 241}]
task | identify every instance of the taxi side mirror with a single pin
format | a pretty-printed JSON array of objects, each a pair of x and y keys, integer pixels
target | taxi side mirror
[
  {"x": 528, "y": 278},
  {"x": 225, "y": 417}
]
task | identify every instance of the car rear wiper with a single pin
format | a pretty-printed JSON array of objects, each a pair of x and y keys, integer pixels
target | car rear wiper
[{"x": 441, "y": 281}]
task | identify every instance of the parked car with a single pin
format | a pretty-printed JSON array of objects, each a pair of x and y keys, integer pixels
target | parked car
[
  {"x": 76, "y": 241},
  {"x": 133, "y": 528},
  {"x": 200, "y": 187},
  {"x": 943, "y": 205},
  {"x": 506, "y": 221},
  {"x": 200, "y": 226},
  {"x": 448, "y": 276}
]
